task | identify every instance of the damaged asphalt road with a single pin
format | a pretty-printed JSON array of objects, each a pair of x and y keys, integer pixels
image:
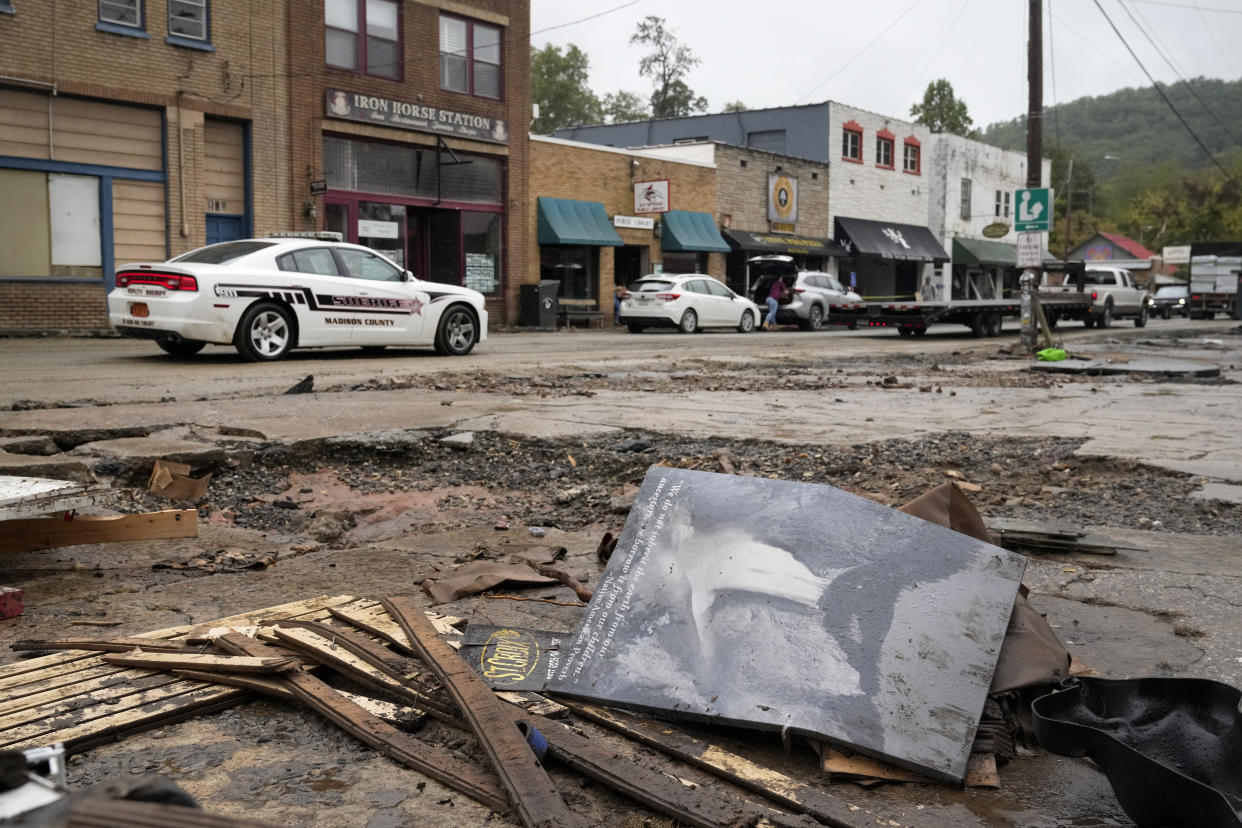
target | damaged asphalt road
[{"x": 351, "y": 489}]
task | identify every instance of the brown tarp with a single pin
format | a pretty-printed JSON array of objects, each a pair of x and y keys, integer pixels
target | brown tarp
[
  {"x": 481, "y": 576},
  {"x": 1031, "y": 654}
]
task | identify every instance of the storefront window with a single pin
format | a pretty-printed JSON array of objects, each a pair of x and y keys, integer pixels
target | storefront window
[
  {"x": 576, "y": 268},
  {"x": 480, "y": 236},
  {"x": 394, "y": 169},
  {"x": 381, "y": 227},
  {"x": 685, "y": 262}
]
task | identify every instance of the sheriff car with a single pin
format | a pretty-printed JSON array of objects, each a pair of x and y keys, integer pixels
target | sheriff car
[{"x": 267, "y": 296}]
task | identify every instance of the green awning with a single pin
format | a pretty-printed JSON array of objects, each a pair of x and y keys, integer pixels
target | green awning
[
  {"x": 565, "y": 221},
  {"x": 988, "y": 253},
  {"x": 692, "y": 232}
]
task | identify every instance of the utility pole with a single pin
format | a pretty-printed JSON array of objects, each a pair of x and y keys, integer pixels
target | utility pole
[
  {"x": 1069, "y": 198},
  {"x": 1034, "y": 151}
]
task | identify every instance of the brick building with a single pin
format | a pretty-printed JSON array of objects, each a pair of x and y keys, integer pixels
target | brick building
[
  {"x": 139, "y": 129},
  {"x": 602, "y": 217},
  {"x": 131, "y": 130},
  {"x": 411, "y": 138}
]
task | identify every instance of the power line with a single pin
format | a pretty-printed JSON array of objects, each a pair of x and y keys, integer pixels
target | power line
[
  {"x": 585, "y": 19},
  {"x": 936, "y": 54},
  {"x": 860, "y": 52},
  {"x": 1052, "y": 72},
  {"x": 1223, "y": 57},
  {"x": 1193, "y": 91},
  {"x": 1183, "y": 6},
  {"x": 1161, "y": 93}
]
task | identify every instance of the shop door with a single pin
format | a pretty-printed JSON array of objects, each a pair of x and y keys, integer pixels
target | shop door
[
  {"x": 223, "y": 228},
  {"x": 628, "y": 264},
  {"x": 382, "y": 227},
  {"x": 907, "y": 279}
]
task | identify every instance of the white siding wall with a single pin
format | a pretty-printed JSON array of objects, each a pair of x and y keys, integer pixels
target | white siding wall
[{"x": 870, "y": 192}]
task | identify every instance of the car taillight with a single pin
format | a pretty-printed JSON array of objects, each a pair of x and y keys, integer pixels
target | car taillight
[
  {"x": 799, "y": 290},
  {"x": 1094, "y": 295},
  {"x": 168, "y": 281},
  {"x": 668, "y": 297},
  {"x": 1195, "y": 298},
  {"x": 624, "y": 295}
]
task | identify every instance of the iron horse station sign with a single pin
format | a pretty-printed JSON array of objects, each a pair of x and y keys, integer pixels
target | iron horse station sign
[{"x": 375, "y": 109}]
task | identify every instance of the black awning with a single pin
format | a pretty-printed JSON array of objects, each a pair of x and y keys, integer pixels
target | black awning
[
  {"x": 888, "y": 240},
  {"x": 782, "y": 243}
]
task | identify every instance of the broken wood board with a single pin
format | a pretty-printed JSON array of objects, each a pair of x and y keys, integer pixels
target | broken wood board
[
  {"x": 837, "y": 764},
  {"x": 30, "y": 534},
  {"x": 1053, "y": 536},
  {"x": 24, "y": 497},
  {"x": 98, "y": 645},
  {"x": 700, "y": 806},
  {"x": 104, "y": 812},
  {"x": 440, "y": 765},
  {"x": 377, "y": 622},
  {"x": 531, "y": 792},
  {"x": 64, "y": 688},
  {"x": 207, "y": 662},
  {"x": 777, "y": 787}
]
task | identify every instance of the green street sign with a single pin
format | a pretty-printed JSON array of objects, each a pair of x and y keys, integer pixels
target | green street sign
[{"x": 1033, "y": 210}]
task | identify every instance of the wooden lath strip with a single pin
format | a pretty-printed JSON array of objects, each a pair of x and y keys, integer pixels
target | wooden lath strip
[
  {"x": 54, "y": 705},
  {"x": 30, "y": 534}
]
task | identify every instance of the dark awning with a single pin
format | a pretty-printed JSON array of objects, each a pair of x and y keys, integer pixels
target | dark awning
[
  {"x": 988, "y": 253},
  {"x": 692, "y": 232},
  {"x": 888, "y": 240},
  {"x": 782, "y": 243},
  {"x": 564, "y": 221}
]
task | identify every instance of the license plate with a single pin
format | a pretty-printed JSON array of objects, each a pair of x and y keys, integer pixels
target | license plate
[{"x": 139, "y": 309}]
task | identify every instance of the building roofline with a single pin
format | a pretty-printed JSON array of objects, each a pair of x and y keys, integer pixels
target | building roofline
[{"x": 639, "y": 152}]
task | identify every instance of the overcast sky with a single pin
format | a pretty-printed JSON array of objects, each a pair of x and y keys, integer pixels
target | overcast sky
[{"x": 881, "y": 54}]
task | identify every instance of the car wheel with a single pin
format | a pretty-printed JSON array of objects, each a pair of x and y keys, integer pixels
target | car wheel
[
  {"x": 1106, "y": 318},
  {"x": 747, "y": 323},
  {"x": 458, "y": 332},
  {"x": 814, "y": 319},
  {"x": 180, "y": 347},
  {"x": 852, "y": 326},
  {"x": 1051, "y": 318},
  {"x": 265, "y": 333},
  {"x": 1141, "y": 320},
  {"x": 920, "y": 330},
  {"x": 633, "y": 327},
  {"x": 689, "y": 322},
  {"x": 904, "y": 331}
]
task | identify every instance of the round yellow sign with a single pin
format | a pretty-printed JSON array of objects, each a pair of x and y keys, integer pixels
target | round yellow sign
[{"x": 782, "y": 196}]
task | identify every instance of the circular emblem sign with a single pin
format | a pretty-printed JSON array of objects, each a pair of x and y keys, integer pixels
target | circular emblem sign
[
  {"x": 783, "y": 196},
  {"x": 996, "y": 229}
]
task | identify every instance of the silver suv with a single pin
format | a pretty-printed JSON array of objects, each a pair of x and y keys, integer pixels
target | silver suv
[{"x": 813, "y": 293}]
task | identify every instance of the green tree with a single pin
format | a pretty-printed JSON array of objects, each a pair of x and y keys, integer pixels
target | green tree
[
  {"x": 622, "y": 107},
  {"x": 559, "y": 85},
  {"x": 736, "y": 106},
  {"x": 667, "y": 65},
  {"x": 941, "y": 111}
]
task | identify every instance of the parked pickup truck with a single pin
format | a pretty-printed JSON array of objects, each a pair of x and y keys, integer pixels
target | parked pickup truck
[{"x": 1113, "y": 296}]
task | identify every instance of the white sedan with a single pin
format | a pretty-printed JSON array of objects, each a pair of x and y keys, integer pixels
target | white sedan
[
  {"x": 267, "y": 296},
  {"x": 686, "y": 301}
]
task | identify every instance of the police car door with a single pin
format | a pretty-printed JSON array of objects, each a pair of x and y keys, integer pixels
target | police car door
[
  {"x": 388, "y": 308},
  {"x": 316, "y": 281}
]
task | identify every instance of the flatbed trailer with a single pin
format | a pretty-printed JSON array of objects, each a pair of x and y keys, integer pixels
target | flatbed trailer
[{"x": 984, "y": 317}]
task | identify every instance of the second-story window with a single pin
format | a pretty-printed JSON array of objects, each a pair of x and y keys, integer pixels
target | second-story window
[
  {"x": 469, "y": 57},
  {"x": 188, "y": 19},
  {"x": 121, "y": 12},
  {"x": 884, "y": 152},
  {"x": 363, "y": 35},
  {"x": 965, "y": 211}
]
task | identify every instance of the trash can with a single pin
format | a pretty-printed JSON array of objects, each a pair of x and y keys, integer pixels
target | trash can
[{"x": 537, "y": 305}]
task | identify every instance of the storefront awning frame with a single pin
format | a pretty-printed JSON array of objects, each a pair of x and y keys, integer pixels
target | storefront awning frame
[
  {"x": 691, "y": 232},
  {"x": 569, "y": 222},
  {"x": 991, "y": 253},
  {"x": 781, "y": 243},
  {"x": 888, "y": 240}
]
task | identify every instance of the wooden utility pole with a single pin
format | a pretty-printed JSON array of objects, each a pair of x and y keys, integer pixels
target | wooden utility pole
[{"x": 1034, "y": 152}]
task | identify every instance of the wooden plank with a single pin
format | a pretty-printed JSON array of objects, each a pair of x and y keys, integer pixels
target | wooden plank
[
  {"x": 534, "y": 703},
  {"x": 57, "y": 703},
  {"x": 389, "y": 678},
  {"x": 471, "y": 780},
  {"x": 64, "y": 686},
  {"x": 777, "y": 787},
  {"x": 103, "y": 812},
  {"x": 29, "y": 534},
  {"x": 99, "y": 645},
  {"x": 26, "y": 497},
  {"x": 399, "y": 667},
  {"x": 377, "y": 622},
  {"x": 691, "y": 805},
  {"x": 532, "y": 793},
  {"x": 88, "y": 718},
  {"x": 204, "y": 661},
  {"x": 297, "y": 609}
]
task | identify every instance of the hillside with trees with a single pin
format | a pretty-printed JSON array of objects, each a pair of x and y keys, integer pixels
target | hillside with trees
[{"x": 1136, "y": 170}]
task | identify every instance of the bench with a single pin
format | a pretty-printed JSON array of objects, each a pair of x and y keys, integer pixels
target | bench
[{"x": 568, "y": 314}]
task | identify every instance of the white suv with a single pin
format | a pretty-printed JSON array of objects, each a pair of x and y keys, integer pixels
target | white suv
[
  {"x": 813, "y": 294},
  {"x": 686, "y": 301}
]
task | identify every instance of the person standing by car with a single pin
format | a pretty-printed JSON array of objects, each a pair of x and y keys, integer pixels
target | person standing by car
[{"x": 775, "y": 293}]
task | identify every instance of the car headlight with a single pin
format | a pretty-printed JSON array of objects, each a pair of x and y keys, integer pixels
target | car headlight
[{"x": 1181, "y": 301}]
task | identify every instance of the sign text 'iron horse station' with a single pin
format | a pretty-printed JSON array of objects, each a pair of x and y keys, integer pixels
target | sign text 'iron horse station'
[{"x": 374, "y": 109}]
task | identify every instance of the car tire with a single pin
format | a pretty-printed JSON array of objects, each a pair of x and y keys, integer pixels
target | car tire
[
  {"x": 747, "y": 323},
  {"x": 265, "y": 333},
  {"x": 1106, "y": 318},
  {"x": 1140, "y": 321},
  {"x": 180, "y": 347},
  {"x": 1050, "y": 316},
  {"x": 458, "y": 332},
  {"x": 689, "y": 321},
  {"x": 920, "y": 330},
  {"x": 814, "y": 319},
  {"x": 904, "y": 331},
  {"x": 633, "y": 327}
]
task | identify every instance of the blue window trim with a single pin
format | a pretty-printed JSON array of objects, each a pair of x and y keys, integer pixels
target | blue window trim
[
  {"x": 101, "y": 170},
  {"x": 118, "y": 29},
  {"x": 189, "y": 43}
]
